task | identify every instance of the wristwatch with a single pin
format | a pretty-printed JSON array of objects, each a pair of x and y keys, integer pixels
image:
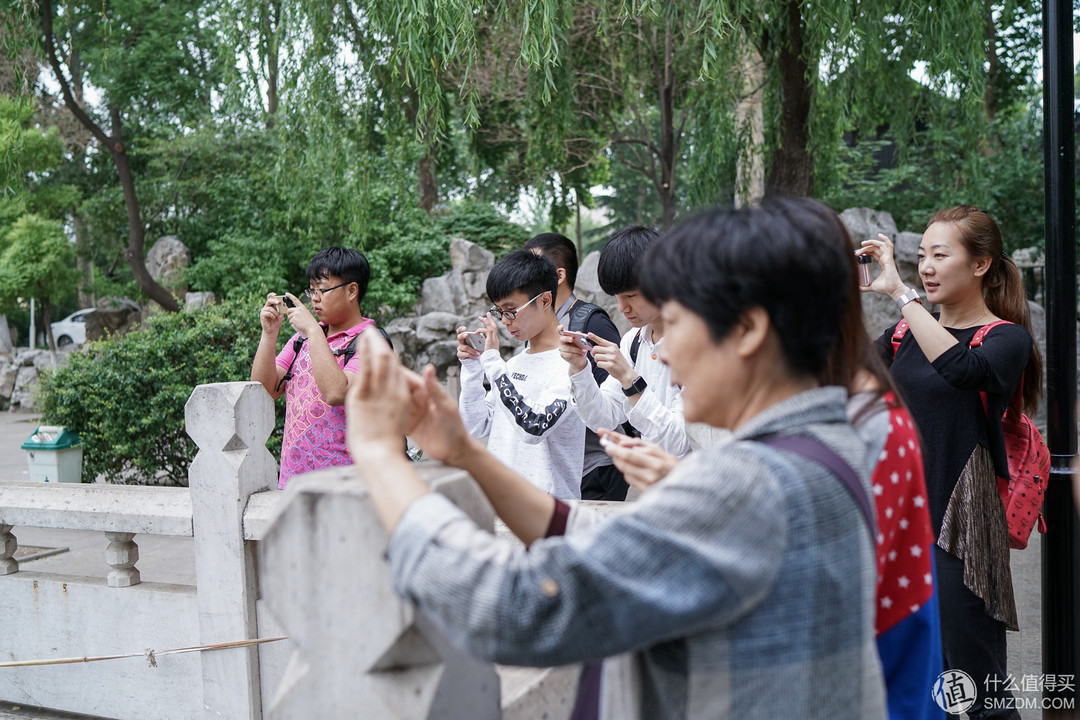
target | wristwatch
[
  {"x": 910, "y": 296},
  {"x": 638, "y": 386}
]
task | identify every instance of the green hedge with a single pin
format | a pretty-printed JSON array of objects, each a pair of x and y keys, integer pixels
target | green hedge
[{"x": 125, "y": 396}]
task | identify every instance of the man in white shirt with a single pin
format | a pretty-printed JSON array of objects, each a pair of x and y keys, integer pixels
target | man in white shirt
[{"x": 638, "y": 389}]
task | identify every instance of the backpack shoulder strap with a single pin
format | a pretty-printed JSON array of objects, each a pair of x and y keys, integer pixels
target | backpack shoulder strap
[
  {"x": 350, "y": 350},
  {"x": 1018, "y": 396},
  {"x": 978, "y": 339},
  {"x": 898, "y": 335},
  {"x": 634, "y": 345},
  {"x": 818, "y": 452},
  {"x": 580, "y": 312}
]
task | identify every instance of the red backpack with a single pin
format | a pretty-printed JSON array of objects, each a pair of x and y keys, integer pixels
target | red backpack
[{"x": 1029, "y": 458}]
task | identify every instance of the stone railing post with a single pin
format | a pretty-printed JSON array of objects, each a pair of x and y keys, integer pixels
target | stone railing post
[
  {"x": 121, "y": 555},
  {"x": 361, "y": 651},
  {"x": 8, "y": 545},
  {"x": 230, "y": 423}
]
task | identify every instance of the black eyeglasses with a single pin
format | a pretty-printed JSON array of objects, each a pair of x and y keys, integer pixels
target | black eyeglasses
[
  {"x": 508, "y": 316},
  {"x": 317, "y": 293}
]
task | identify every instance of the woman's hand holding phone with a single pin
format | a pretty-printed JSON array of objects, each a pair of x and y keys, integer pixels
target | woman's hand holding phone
[{"x": 641, "y": 462}]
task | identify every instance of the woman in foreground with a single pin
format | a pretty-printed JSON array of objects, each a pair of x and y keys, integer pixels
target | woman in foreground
[{"x": 743, "y": 585}]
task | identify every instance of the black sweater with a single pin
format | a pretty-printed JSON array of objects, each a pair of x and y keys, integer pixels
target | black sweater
[{"x": 943, "y": 398}]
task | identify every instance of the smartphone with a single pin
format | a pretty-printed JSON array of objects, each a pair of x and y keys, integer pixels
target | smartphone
[
  {"x": 288, "y": 301},
  {"x": 864, "y": 261},
  {"x": 581, "y": 337},
  {"x": 476, "y": 340}
]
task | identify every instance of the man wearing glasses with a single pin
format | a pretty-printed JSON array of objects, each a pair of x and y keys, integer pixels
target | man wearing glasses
[
  {"x": 315, "y": 367},
  {"x": 527, "y": 415}
]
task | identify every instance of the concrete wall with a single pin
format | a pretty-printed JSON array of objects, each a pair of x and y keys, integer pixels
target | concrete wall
[{"x": 306, "y": 563}]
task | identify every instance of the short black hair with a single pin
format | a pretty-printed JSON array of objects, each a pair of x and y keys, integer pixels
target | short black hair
[
  {"x": 618, "y": 267},
  {"x": 787, "y": 257},
  {"x": 349, "y": 265},
  {"x": 560, "y": 250},
  {"x": 522, "y": 270}
]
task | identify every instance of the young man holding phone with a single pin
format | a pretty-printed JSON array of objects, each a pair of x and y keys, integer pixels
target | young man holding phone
[
  {"x": 638, "y": 389},
  {"x": 527, "y": 415},
  {"x": 600, "y": 479},
  {"x": 315, "y": 367}
]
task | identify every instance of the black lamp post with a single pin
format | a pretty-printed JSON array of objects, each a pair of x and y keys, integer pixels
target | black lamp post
[{"x": 1061, "y": 544}]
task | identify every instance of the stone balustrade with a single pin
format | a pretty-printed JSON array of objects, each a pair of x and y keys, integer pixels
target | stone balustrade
[
  {"x": 119, "y": 511},
  {"x": 307, "y": 563}
]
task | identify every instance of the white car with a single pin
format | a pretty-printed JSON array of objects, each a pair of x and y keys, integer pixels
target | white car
[{"x": 71, "y": 329}]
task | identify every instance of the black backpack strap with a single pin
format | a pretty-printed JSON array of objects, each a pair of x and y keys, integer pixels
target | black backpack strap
[
  {"x": 297, "y": 343},
  {"x": 814, "y": 450},
  {"x": 349, "y": 350},
  {"x": 580, "y": 313},
  {"x": 634, "y": 345}
]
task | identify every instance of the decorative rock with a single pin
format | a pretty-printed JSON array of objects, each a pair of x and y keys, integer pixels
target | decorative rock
[
  {"x": 196, "y": 300},
  {"x": 437, "y": 326},
  {"x": 470, "y": 257},
  {"x": 438, "y": 295},
  {"x": 906, "y": 252},
  {"x": 112, "y": 316},
  {"x": 24, "y": 395},
  {"x": 864, "y": 223},
  {"x": 8, "y": 372},
  {"x": 166, "y": 262},
  {"x": 587, "y": 287}
]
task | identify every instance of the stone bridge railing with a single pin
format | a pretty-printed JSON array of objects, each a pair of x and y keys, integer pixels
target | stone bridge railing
[{"x": 306, "y": 564}]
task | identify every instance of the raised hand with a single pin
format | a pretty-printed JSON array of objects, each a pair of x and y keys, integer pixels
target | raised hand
[{"x": 641, "y": 462}]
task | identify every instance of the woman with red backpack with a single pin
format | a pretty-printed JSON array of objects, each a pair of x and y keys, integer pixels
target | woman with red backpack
[{"x": 957, "y": 391}]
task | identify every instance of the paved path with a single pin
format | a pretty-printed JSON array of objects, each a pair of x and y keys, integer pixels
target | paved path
[{"x": 171, "y": 560}]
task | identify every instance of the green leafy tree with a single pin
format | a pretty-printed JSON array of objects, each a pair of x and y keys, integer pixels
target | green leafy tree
[
  {"x": 37, "y": 262},
  {"x": 153, "y": 64}
]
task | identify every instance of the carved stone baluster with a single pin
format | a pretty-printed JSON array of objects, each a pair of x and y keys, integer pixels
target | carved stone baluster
[
  {"x": 121, "y": 555},
  {"x": 8, "y": 543}
]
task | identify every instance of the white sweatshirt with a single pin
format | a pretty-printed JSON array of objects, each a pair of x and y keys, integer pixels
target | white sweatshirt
[{"x": 527, "y": 416}]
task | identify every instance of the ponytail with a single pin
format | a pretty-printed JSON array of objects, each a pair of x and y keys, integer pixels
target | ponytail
[
  {"x": 1003, "y": 287},
  {"x": 1003, "y": 290}
]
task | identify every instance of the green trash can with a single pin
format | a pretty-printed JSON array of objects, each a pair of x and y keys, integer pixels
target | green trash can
[{"x": 54, "y": 455}]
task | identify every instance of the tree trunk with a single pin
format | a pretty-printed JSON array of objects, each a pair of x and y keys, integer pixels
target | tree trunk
[
  {"x": 665, "y": 80},
  {"x": 429, "y": 188},
  {"x": 993, "y": 73},
  {"x": 115, "y": 145},
  {"x": 577, "y": 227},
  {"x": 7, "y": 346},
  {"x": 83, "y": 262},
  {"x": 792, "y": 171},
  {"x": 136, "y": 231},
  {"x": 750, "y": 125},
  {"x": 46, "y": 311},
  {"x": 271, "y": 33}
]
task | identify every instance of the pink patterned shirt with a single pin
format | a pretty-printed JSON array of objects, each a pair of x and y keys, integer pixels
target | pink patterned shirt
[{"x": 314, "y": 431}]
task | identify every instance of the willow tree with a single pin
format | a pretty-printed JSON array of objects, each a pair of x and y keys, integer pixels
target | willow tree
[
  {"x": 826, "y": 64},
  {"x": 152, "y": 65}
]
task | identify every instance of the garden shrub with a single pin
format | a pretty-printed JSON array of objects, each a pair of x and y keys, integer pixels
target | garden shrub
[{"x": 125, "y": 396}]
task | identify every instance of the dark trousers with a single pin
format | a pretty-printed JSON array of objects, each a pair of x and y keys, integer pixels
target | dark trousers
[
  {"x": 604, "y": 483},
  {"x": 971, "y": 640}
]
